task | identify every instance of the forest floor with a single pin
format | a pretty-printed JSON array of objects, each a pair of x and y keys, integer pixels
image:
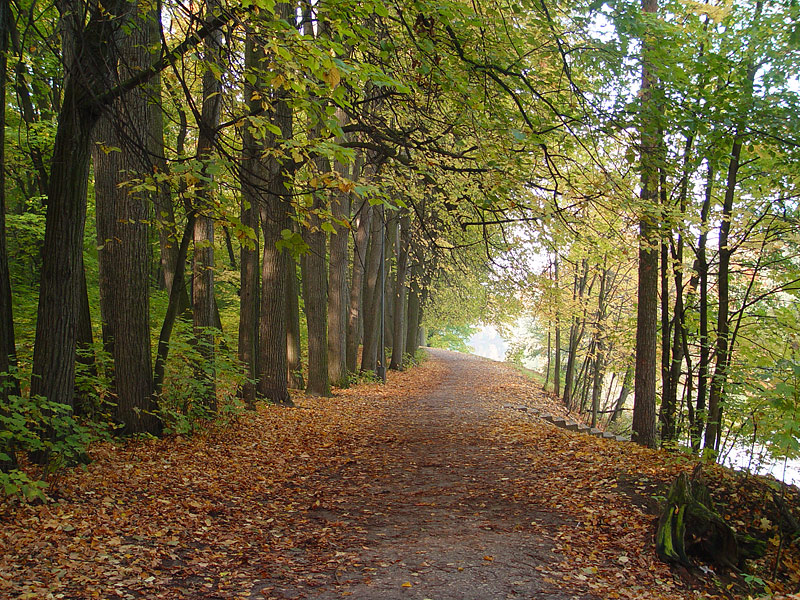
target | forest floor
[{"x": 429, "y": 487}]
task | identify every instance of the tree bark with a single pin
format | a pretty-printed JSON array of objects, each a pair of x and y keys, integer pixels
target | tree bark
[
  {"x": 372, "y": 294},
  {"x": 88, "y": 76},
  {"x": 557, "y": 358},
  {"x": 294, "y": 353},
  {"x": 253, "y": 180},
  {"x": 337, "y": 287},
  {"x": 721, "y": 347},
  {"x": 644, "y": 404},
  {"x": 272, "y": 383},
  {"x": 315, "y": 290},
  {"x": 9, "y": 384},
  {"x": 363, "y": 217},
  {"x": 203, "y": 305},
  {"x": 123, "y": 237},
  {"x": 400, "y": 292},
  {"x": 704, "y": 360},
  {"x": 413, "y": 312}
]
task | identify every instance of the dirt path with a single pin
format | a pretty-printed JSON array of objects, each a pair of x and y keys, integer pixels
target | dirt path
[
  {"x": 426, "y": 487},
  {"x": 443, "y": 516}
]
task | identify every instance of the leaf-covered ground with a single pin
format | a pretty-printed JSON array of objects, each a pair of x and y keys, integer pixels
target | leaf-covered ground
[{"x": 428, "y": 487}]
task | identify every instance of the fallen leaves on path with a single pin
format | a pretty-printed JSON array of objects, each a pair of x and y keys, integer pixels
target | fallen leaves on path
[{"x": 297, "y": 503}]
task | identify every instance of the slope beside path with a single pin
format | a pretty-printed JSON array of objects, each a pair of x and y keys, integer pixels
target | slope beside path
[{"x": 427, "y": 487}]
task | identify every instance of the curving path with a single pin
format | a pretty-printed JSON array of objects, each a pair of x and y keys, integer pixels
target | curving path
[{"x": 443, "y": 519}]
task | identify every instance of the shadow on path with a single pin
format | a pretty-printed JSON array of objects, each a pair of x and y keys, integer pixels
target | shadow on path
[{"x": 444, "y": 517}]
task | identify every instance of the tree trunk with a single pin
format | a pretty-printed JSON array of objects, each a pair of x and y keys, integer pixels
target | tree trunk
[
  {"x": 9, "y": 384},
  {"x": 168, "y": 230},
  {"x": 689, "y": 510},
  {"x": 644, "y": 403},
  {"x": 413, "y": 312},
  {"x": 173, "y": 308},
  {"x": 624, "y": 392},
  {"x": 400, "y": 292},
  {"x": 575, "y": 335},
  {"x": 294, "y": 354},
  {"x": 253, "y": 180},
  {"x": 373, "y": 294},
  {"x": 203, "y": 305},
  {"x": 703, "y": 365},
  {"x": 355, "y": 312},
  {"x": 123, "y": 237},
  {"x": 721, "y": 348},
  {"x": 88, "y": 77},
  {"x": 557, "y": 358},
  {"x": 315, "y": 295},
  {"x": 315, "y": 302},
  {"x": 85, "y": 349},
  {"x": 337, "y": 289},
  {"x": 272, "y": 383},
  {"x": 597, "y": 383}
]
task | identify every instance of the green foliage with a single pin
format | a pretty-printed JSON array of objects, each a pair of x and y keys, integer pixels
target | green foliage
[
  {"x": 181, "y": 406},
  {"x": 44, "y": 429},
  {"x": 451, "y": 337}
]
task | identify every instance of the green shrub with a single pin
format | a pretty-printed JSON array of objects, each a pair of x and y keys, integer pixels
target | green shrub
[
  {"x": 184, "y": 406},
  {"x": 44, "y": 429}
]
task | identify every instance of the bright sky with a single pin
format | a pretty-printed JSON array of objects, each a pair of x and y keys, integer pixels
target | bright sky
[{"x": 488, "y": 343}]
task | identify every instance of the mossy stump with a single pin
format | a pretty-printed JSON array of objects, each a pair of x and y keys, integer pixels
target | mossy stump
[{"x": 690, "y": 525}]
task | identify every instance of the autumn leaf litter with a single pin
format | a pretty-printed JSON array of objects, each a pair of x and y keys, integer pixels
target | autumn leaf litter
[{"x": 283, "y": 504}]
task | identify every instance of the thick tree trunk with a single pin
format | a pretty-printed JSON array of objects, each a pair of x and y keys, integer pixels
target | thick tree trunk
[
  {"x": 315, "y": 296},
  {"x": 337, "y": 305},
  {"x": 294, "y": 354},
  {"x": 337, "y": 290},
  {"x": 55, "y": 343},
  {"x": 272, "y": 383},
  {"x": 689, "y": 510},
  {"x": 413, "y": 312},
  {"x": 363, "y": 217},
  {"x": 400, "y": 293},
  {"x": 123, "y": 237},
  {"x": 203, "y": 305},
  {"x": 390, "y": 252},
  {"x": 644, "y": 404},
  {"x": 9, "y": 384},
  {"x": 253, "y": 181},
  {"x": 373, "y": 294},
  {"x": 315, "y": 284}
]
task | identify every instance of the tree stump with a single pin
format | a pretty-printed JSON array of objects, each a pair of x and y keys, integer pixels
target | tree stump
[{"x": 690, "y": 525}]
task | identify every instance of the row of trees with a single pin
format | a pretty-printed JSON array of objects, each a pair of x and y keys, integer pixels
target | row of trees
[
  {"x": 348, "y": 143},
  {"x": 718, "y": 268}
]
